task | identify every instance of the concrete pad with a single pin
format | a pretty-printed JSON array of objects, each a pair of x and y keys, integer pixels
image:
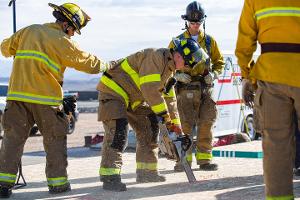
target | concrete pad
[{"x": 237, "y": 178}]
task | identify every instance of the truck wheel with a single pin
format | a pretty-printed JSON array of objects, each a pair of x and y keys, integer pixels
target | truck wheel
[
  {"x": 34, "y": 130},
  {"x": 251, "y": 131},
  {"x": 71, "y": 125}
]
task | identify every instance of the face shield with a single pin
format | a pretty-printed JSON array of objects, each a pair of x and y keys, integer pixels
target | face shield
[{"x": 201, "y": 60}]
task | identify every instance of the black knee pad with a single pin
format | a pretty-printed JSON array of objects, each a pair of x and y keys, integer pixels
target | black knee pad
[
  {"x": 154, "y": 126},
  {"x": 120, "y": 137}
]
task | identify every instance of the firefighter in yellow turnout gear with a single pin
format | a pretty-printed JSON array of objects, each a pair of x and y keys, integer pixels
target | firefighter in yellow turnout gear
[
  {"x": 35, "y": 94},
  {"x": 274, "y": 24},
  {"x": 197, "y": 108},
  {"x": 131, "y": 92}
]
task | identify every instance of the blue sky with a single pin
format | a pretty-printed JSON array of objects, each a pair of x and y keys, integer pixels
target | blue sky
[{"x": 121, "y": 27}]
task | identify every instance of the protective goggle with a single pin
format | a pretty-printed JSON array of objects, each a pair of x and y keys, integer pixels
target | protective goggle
[{"x": 195, "y": 23}]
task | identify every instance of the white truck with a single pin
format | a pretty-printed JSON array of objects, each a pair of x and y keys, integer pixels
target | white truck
[{"x": 233, "y": 116}]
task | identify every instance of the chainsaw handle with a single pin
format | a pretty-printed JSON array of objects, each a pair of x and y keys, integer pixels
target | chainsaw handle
[{"x": 186, "y": 142}]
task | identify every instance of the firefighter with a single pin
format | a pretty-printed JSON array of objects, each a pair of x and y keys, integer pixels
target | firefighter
[
  {"x": 194, "y": 89},
  {"x": 35, "y": 94},
  {"x": 274, "y": 24},
  {"x": 297, "y": 159},
  {"x": 131, "y": 93}
]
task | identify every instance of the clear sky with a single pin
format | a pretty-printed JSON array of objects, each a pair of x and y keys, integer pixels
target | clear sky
[{"x": 121, "y": 27}]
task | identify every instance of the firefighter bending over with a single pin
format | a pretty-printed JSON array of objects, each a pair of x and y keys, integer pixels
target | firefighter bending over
[{"x": 131, "y": 92}]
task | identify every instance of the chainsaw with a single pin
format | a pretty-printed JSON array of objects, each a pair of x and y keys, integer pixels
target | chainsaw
[{"x": 174, "y": 147}]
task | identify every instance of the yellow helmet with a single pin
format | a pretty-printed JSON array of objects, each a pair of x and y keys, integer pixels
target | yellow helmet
[{"x": 76, "y": 16}]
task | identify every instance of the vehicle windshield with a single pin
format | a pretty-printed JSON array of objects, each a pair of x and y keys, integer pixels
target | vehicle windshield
[{"x": 3, "y": 90}]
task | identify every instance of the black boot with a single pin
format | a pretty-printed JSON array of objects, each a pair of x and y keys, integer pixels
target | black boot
[
  {"x": 209, "y": 167},
  {"x": 5, "y": 192},
  {"x": 147, "y": 176},
  {"x": 297, "y": 172},
  {"x": 113, "y": 183},
  {"x": 59, "y": 189},
  {"x": 179, "y": 167}
]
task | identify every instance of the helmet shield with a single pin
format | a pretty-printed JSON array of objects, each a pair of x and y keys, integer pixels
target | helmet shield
[{"x": 191, "y": 52}]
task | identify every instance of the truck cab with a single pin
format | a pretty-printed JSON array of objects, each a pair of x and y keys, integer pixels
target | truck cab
[{"x": 233, "y": 116}]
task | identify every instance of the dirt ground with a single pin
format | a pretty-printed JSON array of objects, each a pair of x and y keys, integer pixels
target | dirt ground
[
  {"x": 86, "y": 125},
  {"x": 237, "y": 178}
]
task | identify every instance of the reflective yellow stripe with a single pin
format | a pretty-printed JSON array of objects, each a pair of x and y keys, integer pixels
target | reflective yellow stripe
[
  {"x": 133, "y": 74},
  {"x": 57, "y": 181},
  {"x": 171, "y": 93},
  {"x": 36, "y": 55},
  {"x": 8, "y": 178},
  {"x": 109, "y": 171},
  {"x": 33, "y": 98},
  {"x": 115, "y": 87},
  {"x": 159, "y": 108},
  {"x": 149, "y": 78},
  {"x": 149, "y": 166},
  {"x": 135, "y": 104},
  {"x": 189, "y": 157},
  {"x": 203, "y": 156},
  {"x": 176, "y": 121},
  {"x": 278, "y": 12},
  {"x": 290, "y": 197}
]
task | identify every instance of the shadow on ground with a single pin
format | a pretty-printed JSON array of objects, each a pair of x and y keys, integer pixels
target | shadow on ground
[{"x": 253, "y": 183}]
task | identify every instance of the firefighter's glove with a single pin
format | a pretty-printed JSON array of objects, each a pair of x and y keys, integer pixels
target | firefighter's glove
[
  {"x": 174, "y": 128},
  {"x": 69, "y": 104},
  {"x": 248, "y": 92},
  {"x": 186, "y": 142},
  {"x": 210, "y": 77},
  {"x": 104, "y": 66},
  {"x": 183, "y": 77}
]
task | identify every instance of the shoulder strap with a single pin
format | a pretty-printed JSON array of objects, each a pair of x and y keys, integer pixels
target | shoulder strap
[
  {"x": 181, "y": 36},
  {"x": 208, "y": 44}
]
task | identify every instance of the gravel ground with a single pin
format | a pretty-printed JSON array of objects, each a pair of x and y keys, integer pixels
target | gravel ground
[
  {"x": 237, "y": 178},
  {"x": 87, "y": 124}
]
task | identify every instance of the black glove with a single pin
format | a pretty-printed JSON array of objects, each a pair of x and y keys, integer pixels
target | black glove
[
  {"x": 186, "y": 142},
  {"x": 69, "y": 104}
]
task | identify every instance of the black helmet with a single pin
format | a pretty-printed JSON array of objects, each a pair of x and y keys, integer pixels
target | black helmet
[
  {"x": 194, "y": 12},
  {"x": 190, "y": 50}
]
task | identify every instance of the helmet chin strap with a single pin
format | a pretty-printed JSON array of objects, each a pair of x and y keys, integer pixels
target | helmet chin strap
[{"x": 65, "y": 29}]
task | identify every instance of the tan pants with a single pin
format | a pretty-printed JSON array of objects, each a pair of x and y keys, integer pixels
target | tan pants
[
  {"x": 197, "y": 109},
  {"x": 145, "y": 125},
  {"x": 275, "y": 106},
  {"x": 18, "y": 119}
]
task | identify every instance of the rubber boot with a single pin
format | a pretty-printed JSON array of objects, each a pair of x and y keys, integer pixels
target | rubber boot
[
  {"x": 148, "y": 176},
  {"x": 209, "y": 167},
  {"x": 113, "y": 183},
  {"x": 5, "y": 192},
  {"x": 59, "y": 189},
  {"x": 297, "y": 172},
  {"x": 179, "y": 168}
]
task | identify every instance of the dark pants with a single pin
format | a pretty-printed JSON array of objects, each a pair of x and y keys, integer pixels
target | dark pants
[{"x": 297, "y": 133}]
